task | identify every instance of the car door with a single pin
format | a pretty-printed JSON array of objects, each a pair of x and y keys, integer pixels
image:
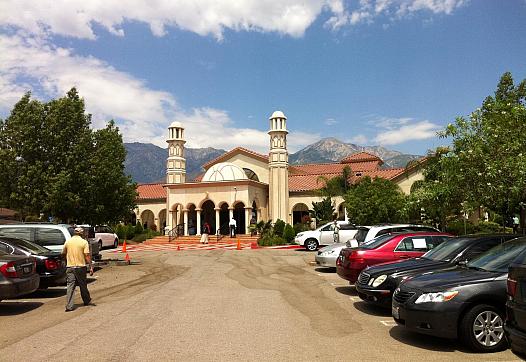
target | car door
[
  {"x": 107, "y": 236},
  {"x": 326, "y": 235},
  {"x": 413, "y": 246}
]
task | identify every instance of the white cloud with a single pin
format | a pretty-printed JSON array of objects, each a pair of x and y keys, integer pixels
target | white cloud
[
  {"x": 330, "y": 122},
  {"x": 142, "y": 114},
  {"x": 368, "y": 10},
  {"x": 204, "y": 17},
  {"x": 50, "y": 71},
  {"x": 359, "y": 139},
  {"x": 406, "y": 130},
  {"x": 208, "y": 127}
]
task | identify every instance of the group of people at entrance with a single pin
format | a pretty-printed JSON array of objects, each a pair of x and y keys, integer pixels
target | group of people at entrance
[{"x": 205, "y": 230}]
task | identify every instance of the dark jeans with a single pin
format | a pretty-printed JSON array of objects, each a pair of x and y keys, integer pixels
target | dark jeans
[
  {"x": 232, "y": 231},
  {"x": 74, "y": 277}
]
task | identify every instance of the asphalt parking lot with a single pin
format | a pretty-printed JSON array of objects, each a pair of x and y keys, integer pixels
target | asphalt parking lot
[{"x": 253, "y": 305}]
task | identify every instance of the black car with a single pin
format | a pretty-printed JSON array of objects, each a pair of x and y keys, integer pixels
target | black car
[
  {"x": 17, "y": 275},
  {"x": 515, "y": 326},
  {"x": 377, "y": 283},
  {"x": 466, "y": 302},
  {"x": 51, "y": 265}
]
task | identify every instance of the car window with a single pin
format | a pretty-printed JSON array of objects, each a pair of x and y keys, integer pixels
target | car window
[
  {"x": 377, "y": 241},
  {"x": 326, "y": 228},
  {"x": 22, "y": 233},
  {"x": 361, "y": 234},
  {"x": 415, "y": 243},
  {"x": 434, "y": 241},
  {"x": 30, "y": 247},
  {"x": 6, "y": 248},
  {"x": 498, "y": 258},
  {"x": 480, "y": 247},
  {"x": 48, "y": 236},
  {"x": 342, "y": 227}
]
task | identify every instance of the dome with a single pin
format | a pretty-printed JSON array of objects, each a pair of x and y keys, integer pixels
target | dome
[
  {"x": 176, "y": 124},
  {"x": 278, "y": 114},
  {"x": 224, "y": 171}
]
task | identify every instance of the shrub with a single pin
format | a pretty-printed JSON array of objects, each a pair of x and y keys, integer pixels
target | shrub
[
  {"x": 289, "y": 233},
  {"x": 130, "y": 231},
  {"x": 119, "y": 230},
  {"x": 486, "y": 227},
  {"x": 140, "y": 238},
  {"x": 279, "y": 226},
  {"x": 138, "y": 228},
  {"x": 299, "y": 227},
  {"x": 277, "y": 240},
  {"x": 32, "y": 218},
  {"x": 456, "y": 227}
]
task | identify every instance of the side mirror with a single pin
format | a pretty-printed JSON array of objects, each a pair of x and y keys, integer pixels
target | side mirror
[{"x": 462, "y": 262}]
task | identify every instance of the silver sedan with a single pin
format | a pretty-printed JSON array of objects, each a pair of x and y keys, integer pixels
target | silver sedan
[{"x": 327, "y": 256}]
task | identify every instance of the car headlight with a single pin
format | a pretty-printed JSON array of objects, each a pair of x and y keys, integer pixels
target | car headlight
[
  {"x": 379, "y": 280},
  {"x": 328, "y": 252},
  {"x": 436, "y": 297}
]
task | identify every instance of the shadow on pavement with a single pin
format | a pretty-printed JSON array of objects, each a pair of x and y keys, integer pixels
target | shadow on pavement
[
  {"x": 326, "y": 270},
  {"x": 8, "y": 308},
  {"x": 371, "y": 309},
  {"x": 47, "y": 293},
  {"x": 425, "y": 342},
  {"x": 347, "y": 290}
]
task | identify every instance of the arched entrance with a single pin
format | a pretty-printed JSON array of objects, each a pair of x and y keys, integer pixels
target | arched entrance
[
  {"x": 254, "y": 212},
  {"x": 341, "y": 211},
  {"x": 299, "y": 211},
  {"x": 162, "y": 220},
  {"x": 147, "y": 219},
  {"x": 208, "y": 215},
  {"x": 239, "y": 215},
  {"x": 224, "y": 218},
  {"x": 192, "y": 220}
]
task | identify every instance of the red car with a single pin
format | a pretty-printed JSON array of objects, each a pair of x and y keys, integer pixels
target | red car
[{"x": 385, "y": 248}]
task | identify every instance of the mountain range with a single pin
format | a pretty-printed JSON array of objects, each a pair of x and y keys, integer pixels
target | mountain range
[{"x": 146, "y": 162}]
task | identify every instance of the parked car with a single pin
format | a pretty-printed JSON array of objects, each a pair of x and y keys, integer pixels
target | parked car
[
  {"x": 17, "y": 275},
  {"x": 466, "y": 302},
  {"x": 327, "y": 256},
  {"x": 324, "y": 235},
  {"x": 51, "y": 236},
  {"x": 515, "y": 326},
  {"x": 377, "y": 283},
  {"x": 51, "y": 266},
  {"x": 352, "y": 261},
  {"x": 106, "y": 237}
]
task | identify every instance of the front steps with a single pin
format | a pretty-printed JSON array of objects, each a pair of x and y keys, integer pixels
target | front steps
[{"x": 195, "y": 239}]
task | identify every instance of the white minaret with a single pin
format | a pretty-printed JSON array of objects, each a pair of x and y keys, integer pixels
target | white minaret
[
  {"x": 176, "y": 163},
  {"x": 278, "y": 163}
]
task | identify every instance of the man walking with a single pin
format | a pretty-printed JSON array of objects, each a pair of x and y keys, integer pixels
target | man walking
[
  {"x": 77, "y": 255},
  {"x": 233, "y": 225}
]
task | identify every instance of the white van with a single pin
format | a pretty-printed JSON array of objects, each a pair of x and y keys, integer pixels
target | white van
[
  {"x": 324, "y": 235},
  {"x": 51, "y": 236}
]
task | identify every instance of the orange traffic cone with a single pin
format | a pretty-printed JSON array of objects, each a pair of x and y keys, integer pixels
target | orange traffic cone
[
  {"x": 178, "y": 247},
  {"x": 238, "y": 244},
  {"x": 127, "y": 258},
  {"x": 124, "y": 246}
]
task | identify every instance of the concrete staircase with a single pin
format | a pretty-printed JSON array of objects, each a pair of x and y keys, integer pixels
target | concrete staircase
[{"x": 194, "y": 239}]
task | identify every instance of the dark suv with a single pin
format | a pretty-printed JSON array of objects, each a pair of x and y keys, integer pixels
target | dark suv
[{"x": 515, "y": 326}]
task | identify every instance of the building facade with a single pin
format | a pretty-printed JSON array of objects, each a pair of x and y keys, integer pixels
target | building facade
[{"x": 248, "y": 186}]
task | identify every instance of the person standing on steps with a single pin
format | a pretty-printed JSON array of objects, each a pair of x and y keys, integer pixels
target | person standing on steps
[
  {"x": 77, "y": 255},
  {"x": 205, "y": 233},
  {"x": 232, "y": 224}
]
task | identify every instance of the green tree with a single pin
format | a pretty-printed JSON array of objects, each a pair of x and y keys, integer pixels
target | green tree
[
  {"x": 138, "y": 228},
  {"x": 279, "y": 226},
  {"x": 337, "y": 185},
  {"x": 489, "y": 148},
  {"x": 375, "y": 201},
  {"x": 289, "y": 233},
  {"x": 323, "y": 211},
  {"x": 56, "y": 165}
]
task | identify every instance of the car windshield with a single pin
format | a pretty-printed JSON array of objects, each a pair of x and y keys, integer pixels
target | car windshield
[
  {"x": 361, "y": 234},
  {"x": 446, "y": 250},
  {"x": 499, "y": 258},
  {"x": 30, "y": 247},
  {"x": 377, "y": 241}
]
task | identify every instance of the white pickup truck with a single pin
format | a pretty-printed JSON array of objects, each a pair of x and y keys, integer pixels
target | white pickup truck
[{"x": 324, "y": 235}]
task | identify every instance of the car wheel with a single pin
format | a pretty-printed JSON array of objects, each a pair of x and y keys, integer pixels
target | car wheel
[
  {"x": 482, "y": 329},
  {"x": 100, "y": 244},
  {"x": 311, "y": 244},
  {"x": 116, "y": 243}
]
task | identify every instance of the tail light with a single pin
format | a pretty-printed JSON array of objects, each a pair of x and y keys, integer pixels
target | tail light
[
  {"x": 51, "y": 264},
  {"x": 512, "y": 287},
  {"x": 9, "y": 270},
  {"x": 355, "y": 258}
]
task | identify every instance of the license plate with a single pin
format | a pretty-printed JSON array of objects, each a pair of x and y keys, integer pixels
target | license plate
[
  {"x": 395, "y": 312},
  {"x": 27, "y": 269}
]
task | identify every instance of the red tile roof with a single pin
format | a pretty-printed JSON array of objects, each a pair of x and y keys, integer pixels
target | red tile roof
[
  {"x": 150, "y": 191},
  {"x": 361, "y": 157},
  {"x": 7, "y": 212},
  {"x": 233, "y": 152}
]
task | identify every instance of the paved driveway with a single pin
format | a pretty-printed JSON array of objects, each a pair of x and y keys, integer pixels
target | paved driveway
[{"x": 215, "y": 305}]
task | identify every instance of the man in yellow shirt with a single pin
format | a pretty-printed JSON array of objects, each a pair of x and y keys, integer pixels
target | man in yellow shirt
[{"x": 77, "y": 255}]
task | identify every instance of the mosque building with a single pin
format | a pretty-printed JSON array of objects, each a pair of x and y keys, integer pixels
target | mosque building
[{"x": 247, "y": 185}]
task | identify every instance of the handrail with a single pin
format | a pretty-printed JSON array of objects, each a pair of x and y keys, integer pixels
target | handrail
[{"x": 177, "y": 231}]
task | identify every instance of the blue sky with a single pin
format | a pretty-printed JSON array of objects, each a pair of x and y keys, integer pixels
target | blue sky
[{"x": 371, "y": 72}]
